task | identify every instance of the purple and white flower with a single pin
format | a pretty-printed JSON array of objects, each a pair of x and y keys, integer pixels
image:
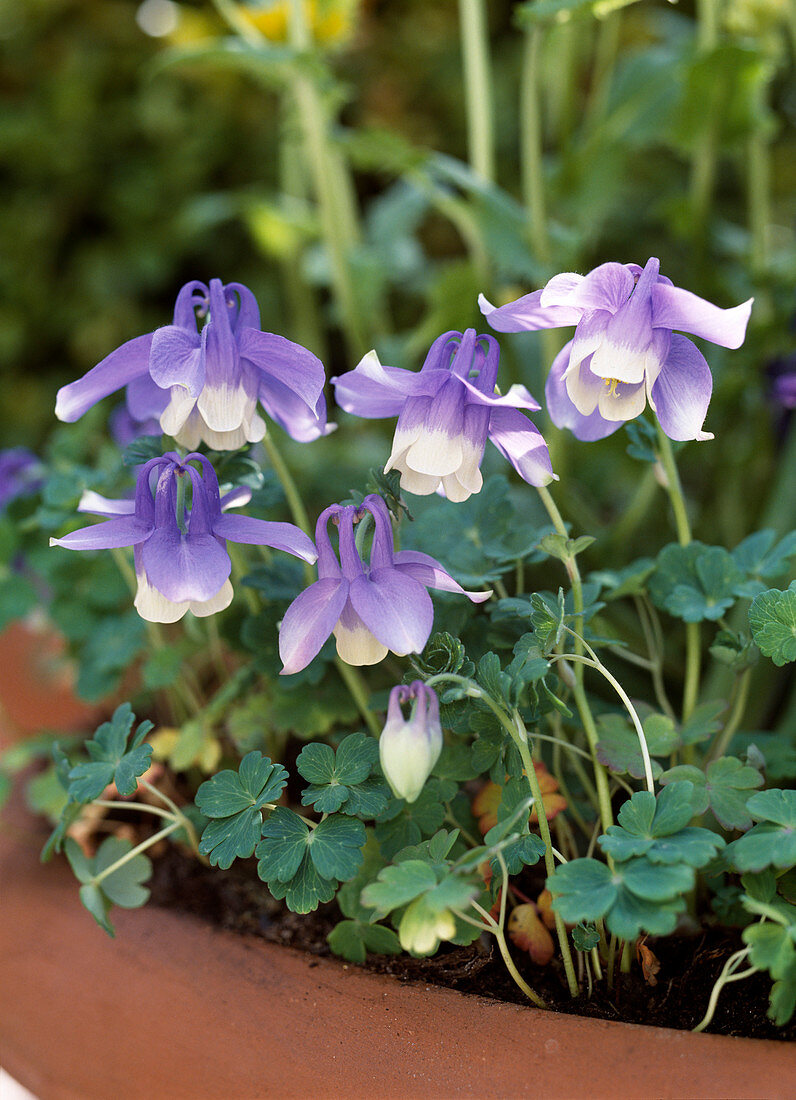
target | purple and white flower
[
  {"x": 371, "y": 608},
  {"x": 625, "y": 352},
  {"x": 409, "y": 748},
  {"x": 446, "y": 411},
  {"x": 203, "y": 382},
  {"x": 181, "y": 560}
]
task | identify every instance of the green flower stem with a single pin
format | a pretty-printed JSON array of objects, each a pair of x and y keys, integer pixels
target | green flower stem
[
  {"x": 497, "y": 931},
  {"x": 186, "y": 696},
  {"x": 655, "y": 650},
  {"x": 358, "y": 690},
  {"x": 758, "y": 182},
  {"x": 581, "y": 700},
  {"x": 478, "y": 87},
  {"x": 693, "y": 645},
  {"x": 294, "y": 501},
  {"x": 719, "y": 746},
  {"x": 595, "y": 662},
  {"x": 142, "y": 847},
  {"x": 143, "y": 807},
  {"x": 520, "y": 737},
  {"x": 605, "y": 54},
  {"x": 704, "y": 156},
  {"x": 728, "y": 974},
  {"x": 176, "y": 811},
  {"x": 531, "y": 148}
]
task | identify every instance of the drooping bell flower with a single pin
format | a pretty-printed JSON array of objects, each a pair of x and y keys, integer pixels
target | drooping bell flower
[
  {"x": 203, "y": 381},
  {"x": 371, "y": 607},
  {"x": 446, "y": 411},
  {"x": 181, "y": 560},
  {"x": 409, "y": 748},
  {"x": 625, "y": 352}
]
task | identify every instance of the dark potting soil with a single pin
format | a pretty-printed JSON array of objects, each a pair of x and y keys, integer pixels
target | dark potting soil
[{"x": 689, "y": 965}]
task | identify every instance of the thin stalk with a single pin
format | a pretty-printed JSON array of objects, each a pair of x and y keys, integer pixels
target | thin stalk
[
  {"x": 656, "y": 657},
  {"x": 631, "y": 710},
  {"x": 581, "y": 700},
  {"x": 499, "y": 935},
  {"x": 636, "y": 509},
  {"x": 294, "y": 501},
  {"x": 693, "y": 645},
  {"x": 727, "y": 975},
  {"x": 723, "y": 739},
  {"x": 758, "y": 183},
  {"x": 175, "y": 810},
  {"x": 606, "y": 52},
  {"x": 531, "y": 148},
  {"x": 142, "y": 847},
  {"x": 478, "y": 88},
  {"x": 357, "y": 688},
  {"x": 110, "y": 804},
  {"x": 521, "y": 741}
]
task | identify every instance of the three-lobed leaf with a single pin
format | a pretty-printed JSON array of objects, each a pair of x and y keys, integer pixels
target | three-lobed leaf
[
  {"x": 772, "y": 618},
  {"x": 112, "y": 759},
  {"x": 235, "y": 801},
  {"x": 724, "y": 787}
]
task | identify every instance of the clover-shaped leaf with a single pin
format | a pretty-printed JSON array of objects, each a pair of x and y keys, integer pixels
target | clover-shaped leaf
[
  {"x": 758, "y": 557},
  {"x": 123, "y": 887},
  {"x": 772, "y": 842},
  {"x": 341, "y": 780},
  {"x": 112, "y": 759},
  {"x": 636, "y": 896},
  {"x": 772, "y": 618},
  {"x": 235, "y": 801},
  {"x": 398, "y": 884},
  {"x": 724, "y": 787},
  {"x": 658, "y": 829},
  {"x": 695, "y": 582},
  {"x": 353, "y": 939},
  {"x": 301, "y": 864}
]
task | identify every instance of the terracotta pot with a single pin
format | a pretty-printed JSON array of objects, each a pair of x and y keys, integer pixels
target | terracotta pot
[
  {"x": 37, "y": 683},
  {"x": 174, "y": 1009}
]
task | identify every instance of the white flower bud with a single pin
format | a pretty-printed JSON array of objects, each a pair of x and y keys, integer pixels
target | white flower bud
[{"x": 409, "y": 749}]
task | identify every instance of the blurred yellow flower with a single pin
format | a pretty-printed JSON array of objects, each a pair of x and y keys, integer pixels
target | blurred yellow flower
[{"x": 332, "y": 22}]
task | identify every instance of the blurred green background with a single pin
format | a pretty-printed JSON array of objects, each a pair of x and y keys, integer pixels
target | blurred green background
[{"x": 146, "y": 144}]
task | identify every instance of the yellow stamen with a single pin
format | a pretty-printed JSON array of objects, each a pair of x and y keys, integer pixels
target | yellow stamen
[{"x": 612, "y": 383}]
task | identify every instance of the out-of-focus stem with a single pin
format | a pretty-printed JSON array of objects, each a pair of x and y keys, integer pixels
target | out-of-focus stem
[
  {"x": 531, "y": 147},
  {"x": 478, "y": 87}
]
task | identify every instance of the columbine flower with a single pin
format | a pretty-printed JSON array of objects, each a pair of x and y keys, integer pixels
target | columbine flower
[
  {"x": 370, "y": 608},
  {"x": 445, "y": 413},
  {"x": 624, "y": 352},
  {"x": 181, "y": 560},
  {"x": 785, "y": 390},
  {"x": 409, "y": 749},
  {"x": 203, "y": 383}
]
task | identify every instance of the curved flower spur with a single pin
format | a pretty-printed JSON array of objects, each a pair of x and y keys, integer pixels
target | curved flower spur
[
  {"x": 181, "y": 561},
  {"x": 371, "y": 608},
  {"x": 446, "y": 411},
  {"x": 203, "y": 381},
  {"x": 625, "y": 352}
]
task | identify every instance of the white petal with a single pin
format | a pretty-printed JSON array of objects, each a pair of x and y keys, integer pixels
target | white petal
[
  {"x": 177, "y": 412},
  {"x": 401, "y": 442},
  {"x": 421, "y": 485},
  {"x": 357, "y": 646},
  {"x": 153, "y": 605},
  {"x": 435, "y": 452},
  {"x": 620, "y": 361},
  {"x": 225, "y": 408},
  {"x": 584, "y": 389},
  {"x": 622, "y": 402},
  {"x": 222, "y": 599}
]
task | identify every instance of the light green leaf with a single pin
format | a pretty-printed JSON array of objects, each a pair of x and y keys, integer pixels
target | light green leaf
[{"x": 772, "y": 618}]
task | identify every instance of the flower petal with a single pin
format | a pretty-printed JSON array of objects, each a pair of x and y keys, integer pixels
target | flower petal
[
  {"x": 125, "y": 531},
  {"x": 681, "y": 394},
  {"x": 623, "y": 402},
  {"x": 527, "y": 314},
  {"x": 260, "y": 532},
  {"x": 395, "y": 608},
  {"x": 521, "y": 442},
  {"x": 98, "y": 505},
  {"x": 355, "y": 643},
  {"x": 153, "y": 605},
  {"x": 372, "y": 390},
  {"x": 584, "y": 388},
  {"x": 288, "y": 363},
  {"x": 300, "y": 420},
  {"x": 222, "y": 599},
  {"x": 563, "y": 412},
  {"x": 516, "y": 397},
  {"x": 429, "y": 572},
  {"x": 145, "y": 399},
  {"x": 185, "y": 567},
  {"x": 605, "y": 287},
  {"x": 177, "y": 359},
  {"x": 116, "y": 370},
  {"x": 437, "y": 449},
  {"x": 674, "y": 308},
  {"x": 309, "y": 621}
]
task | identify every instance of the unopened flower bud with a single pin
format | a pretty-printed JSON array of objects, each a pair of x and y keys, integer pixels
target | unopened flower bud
[{"x": 409, "y": 748}]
